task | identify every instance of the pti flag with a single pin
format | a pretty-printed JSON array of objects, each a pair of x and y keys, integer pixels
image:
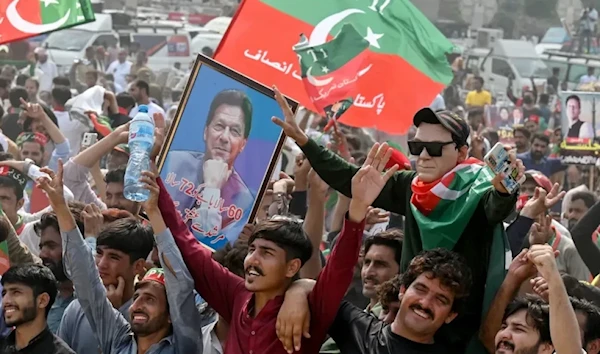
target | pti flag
[
  {"x": 331, "y": 70},
  {"x": 405, "y": 64},
  {"x": 21, "y": 19}
]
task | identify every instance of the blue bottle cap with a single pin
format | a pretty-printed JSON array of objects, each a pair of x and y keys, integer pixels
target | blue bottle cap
[{"x": 143, "y": 108}]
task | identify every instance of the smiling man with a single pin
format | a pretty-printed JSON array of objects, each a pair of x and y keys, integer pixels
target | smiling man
[
  {"x": 212, "y": 172},
  {"x": 27, "y": 296}
]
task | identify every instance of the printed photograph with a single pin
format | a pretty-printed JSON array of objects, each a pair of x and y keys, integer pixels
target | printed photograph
[{"x": 221, "y": 149}]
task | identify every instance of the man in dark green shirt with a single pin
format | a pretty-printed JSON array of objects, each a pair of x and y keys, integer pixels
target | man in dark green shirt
[{"x": 447, "y": 202}]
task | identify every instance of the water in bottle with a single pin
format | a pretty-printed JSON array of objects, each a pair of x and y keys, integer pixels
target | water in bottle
[{"x": 141, "y": 140}]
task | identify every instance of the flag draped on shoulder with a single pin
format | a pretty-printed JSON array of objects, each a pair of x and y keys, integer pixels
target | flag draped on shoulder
[
  {"x": 22, "y": 19},
  {"x": 403, "y": 67},
  {"x": 443, "y": 208}
]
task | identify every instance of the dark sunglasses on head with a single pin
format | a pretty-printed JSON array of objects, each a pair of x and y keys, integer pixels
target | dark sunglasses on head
[{"x": 434, "y": 148}]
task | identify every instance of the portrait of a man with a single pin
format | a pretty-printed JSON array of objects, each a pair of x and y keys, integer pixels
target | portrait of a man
[
  {"x": 577, "y": 127},
  {"x": 205, "y": 185}
]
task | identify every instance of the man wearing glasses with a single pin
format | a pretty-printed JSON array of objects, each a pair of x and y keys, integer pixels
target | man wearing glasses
[{"x": 451, "y": 201}]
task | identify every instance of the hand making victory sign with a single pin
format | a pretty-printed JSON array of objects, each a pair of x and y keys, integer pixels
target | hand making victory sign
[{"x": 288, "y": 124}]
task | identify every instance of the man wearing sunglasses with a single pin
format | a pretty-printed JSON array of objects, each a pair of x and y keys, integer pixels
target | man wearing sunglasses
[{"x": 451, "y": 201}]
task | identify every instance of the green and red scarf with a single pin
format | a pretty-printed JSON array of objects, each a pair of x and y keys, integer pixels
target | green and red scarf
[{"x": 444, "y": 207}]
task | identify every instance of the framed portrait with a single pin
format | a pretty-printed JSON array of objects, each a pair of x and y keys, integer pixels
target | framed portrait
[
  {"x": 580, "y": 127},
  {"x": 221, "y": 151}
]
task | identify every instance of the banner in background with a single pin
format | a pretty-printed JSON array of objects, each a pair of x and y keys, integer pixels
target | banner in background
[
  {"x": 580, "y": 127},
  {"x": 221, "y": 152}
]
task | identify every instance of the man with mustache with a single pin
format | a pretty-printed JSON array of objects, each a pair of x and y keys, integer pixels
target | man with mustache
[
  {"x": 163, "y": 318},
  {"x": 51, "y": 255},
  {"x": 28, "y": 293},
  {"x": 536, "y": 158},
  {"x": 433, "y": 291},
  {"x": 212, "y": 174},
  {"x": 278, "y": 248}
]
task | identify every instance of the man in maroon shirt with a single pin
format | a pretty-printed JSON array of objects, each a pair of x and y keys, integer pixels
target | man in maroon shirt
[{"x": 277, "y": 251}]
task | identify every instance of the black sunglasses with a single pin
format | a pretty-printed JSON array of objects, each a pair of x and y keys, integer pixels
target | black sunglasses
[{"x": 434, "y": 148}]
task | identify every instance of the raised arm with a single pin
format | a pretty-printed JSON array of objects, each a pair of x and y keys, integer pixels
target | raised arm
[
  {"x": 335, "y": 171},
  {"x": 179, "y": 284},
  {"x": 107, "y": 323},
  {"x": 94, "y": 153},
  {"x": 314, "y": 223},
  {"x": 336, "y": 276},
  {"x": 217, "y": 285}
]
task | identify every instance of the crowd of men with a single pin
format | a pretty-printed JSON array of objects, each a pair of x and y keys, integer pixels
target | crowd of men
[{"x": 353, "y": 252}]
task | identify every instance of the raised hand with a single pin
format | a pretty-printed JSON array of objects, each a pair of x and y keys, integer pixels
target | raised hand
[
  {"x": 368, "y": 182},
  {"x": 114, "y": 293},
  {"x": 93, "y": 220},
  {"x": 288, "y": 124},
  {"x": 555, "y": 196},
  {"x": 53, "y": 185},
  {"x": 541, "y": 231},
  {"x": 521, "y": 268},
  {"x": 122, "y": 133},
  {"x": 376, "y": 216},
  {"x": 33, "y": 110},
  {"x": 543, "y": 256},
  {"x": 149, "y": 180}
]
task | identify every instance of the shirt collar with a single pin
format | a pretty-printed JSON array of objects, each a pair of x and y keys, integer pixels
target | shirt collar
[
  {"x": 12, "y": 340},
  {"x": 271, "y": 307}
]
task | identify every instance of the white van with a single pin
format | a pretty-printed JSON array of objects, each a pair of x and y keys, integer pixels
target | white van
[{"x": 510, "y": 59}]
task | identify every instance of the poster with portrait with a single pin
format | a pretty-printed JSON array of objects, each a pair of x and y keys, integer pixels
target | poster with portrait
[
  {"x": 580, "y": 127},
  {"x": 221, "y": 150}
]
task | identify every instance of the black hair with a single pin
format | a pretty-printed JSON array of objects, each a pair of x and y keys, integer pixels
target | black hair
[
  {"x": 15, "y": 95},
  {"x": 448, "y": 267},
  {"x": 50, "y": 219},
  {"x": 4, "y": 83},
  {"x": 589, "y": 199},
  {"x": 8, "y": 182},
  {"x": 35, "y": 81},
  {"x": 538, "y": 314},
  {"x": 555, "y": 70},
  {"x": 579, "y": 290},
  {"x": 235, "y": 98},
  {"x": 6, "y": 156},
  {"x": 287, "y": 234},
  {"x": 591, "y": 330},
  {"x": 540, "y": 137},
  {"x": 129, "y": 236},
  {"x": 61, "y": 94},
  {"x": 232, "y": 257},
  {"x": 480, "y": 79},
  {"x": 35, "y": 276},
  {"x": 523, "y": 131},
  {"x": 125, "y": 100},
  {"x": 21, "y": 79},
  {"x": 574, "y": 97},
  {"x": 544, "y": 98},
  {"x": 61, "y": 81},
  {"x": 115, "y": 176},
  {"x": 141, "y": 84},
  {"x": 391, "y": 238}
]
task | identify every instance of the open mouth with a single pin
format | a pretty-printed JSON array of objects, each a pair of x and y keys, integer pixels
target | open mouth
[
  {"x": 505, "y": 346},
  {"x": 139, "y": 318},
  {"x": 421, "y": 313}
]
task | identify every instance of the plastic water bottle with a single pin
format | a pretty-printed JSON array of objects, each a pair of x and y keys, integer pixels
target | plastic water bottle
[{"x": 141, "y": 140}]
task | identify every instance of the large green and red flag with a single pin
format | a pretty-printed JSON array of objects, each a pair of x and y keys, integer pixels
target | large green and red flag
[
  {"x": 330, "y": 71},
  {"x": 405, "y": 68},
  {"x": 21, "y": 19}
]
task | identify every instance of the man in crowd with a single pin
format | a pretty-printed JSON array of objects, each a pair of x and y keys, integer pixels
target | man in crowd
[
  {"x": 478, "y": 97},
  {"x": 522, "y": 137},
  {"x": 120, "y": 68},
  {"x": 28, "y": 294},
  {"x": 32, "y": 85},
  {"x": 277, "y": 251},
  {"x": 578, "y": 205},
  {"x": 433, "y": 291},
  {"x": 441, "y": 146},
  {"x": 140, "y": 90},
  {"x": 50, "y": 251},
  {"x": 163, "y": 318},
  {"x": 47, "y": 67},
  {"x": 12, "y": 186},
  {"x": 226, "y": 132},
  {"x": 577, "y": 127},
  {"x": 121, "y": 251},
  {"x": 523, "y": 325},
  {"x": 536, "y": 158}
]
